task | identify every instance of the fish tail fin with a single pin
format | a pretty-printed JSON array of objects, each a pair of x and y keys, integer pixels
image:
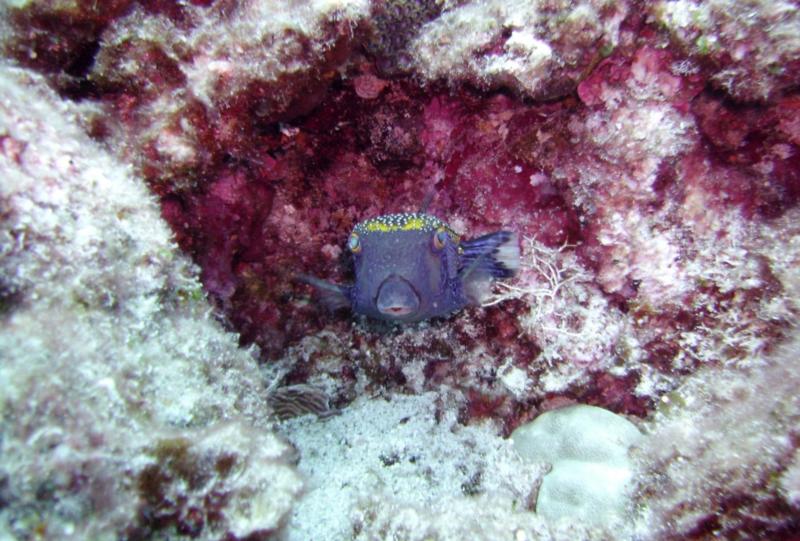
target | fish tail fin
[
  {"x": 495, "y": 255},
  {"x": 332, "y": 296}
]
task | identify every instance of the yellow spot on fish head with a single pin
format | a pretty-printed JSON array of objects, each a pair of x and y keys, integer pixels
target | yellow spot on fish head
[{"x": 409, "y": 221}]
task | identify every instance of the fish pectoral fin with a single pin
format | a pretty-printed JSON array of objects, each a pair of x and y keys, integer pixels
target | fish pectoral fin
[
  {"x": 495, "y": 254},
  {"x": 477, "y": 287},
  {"x": 332, "y": 296}
]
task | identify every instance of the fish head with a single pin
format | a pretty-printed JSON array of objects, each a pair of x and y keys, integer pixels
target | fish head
[{"x": 405, "y": 267}]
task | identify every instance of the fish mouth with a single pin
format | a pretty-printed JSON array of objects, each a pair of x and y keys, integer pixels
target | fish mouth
[
  {"x": 397, "y": 298},
  {"x": 396, "y": 310}
]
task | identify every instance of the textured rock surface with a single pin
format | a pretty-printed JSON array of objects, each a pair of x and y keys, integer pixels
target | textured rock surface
[
  {"x": 200, "y": 88},
  {"x": 127, "y": 412},
  {"x": 749, "y": 48},
  {"x": 648, "y": 154},
  {"x": 590, "y": 476},
  {"x": 540, "y": 49},
  {"x": 727, "y": 433}
]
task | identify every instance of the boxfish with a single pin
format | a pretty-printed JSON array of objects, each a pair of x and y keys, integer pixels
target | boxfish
[{"x": 412, "y": 266}]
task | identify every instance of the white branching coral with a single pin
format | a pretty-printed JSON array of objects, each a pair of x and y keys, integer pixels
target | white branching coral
[{"x": 570, "y": 318}]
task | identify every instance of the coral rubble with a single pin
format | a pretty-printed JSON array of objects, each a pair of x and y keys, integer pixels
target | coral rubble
[{"x": 647, "y": 154}]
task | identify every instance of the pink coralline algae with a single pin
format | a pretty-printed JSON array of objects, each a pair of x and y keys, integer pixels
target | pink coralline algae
[
  {"x": 647, "y": 155},
  {"x": 368, "y": 86},
  {"x": 748, "y": 50}
]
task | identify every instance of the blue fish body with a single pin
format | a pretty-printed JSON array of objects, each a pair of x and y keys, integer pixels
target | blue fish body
[{"x": 412, "y": 266}]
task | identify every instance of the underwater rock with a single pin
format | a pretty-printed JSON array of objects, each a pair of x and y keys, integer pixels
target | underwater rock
[
  {"x": 57, "y": 38},
  {"x": 749, "y": 50},
  {"x": 127, "y": 412},
  {"x": 590, "y": 476},
  {"x": 541, "y": 49},
  {"x": 720, "y": 457}
]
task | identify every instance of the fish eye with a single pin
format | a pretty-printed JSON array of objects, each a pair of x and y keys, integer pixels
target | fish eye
[
  {"x": 354, "y": 243},
  {"x": 440, "y": 239}
]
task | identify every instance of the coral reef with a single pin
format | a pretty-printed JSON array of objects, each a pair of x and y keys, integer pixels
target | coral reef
[
  {"x": 208, "y": 87},
  {"x": 540, "y": 49},
  {"x": 726, "y": 432},
  {"x": 748, "y": 49},
  {"x": 647, "y": 155},
  {"x": 127, "y": 412}
]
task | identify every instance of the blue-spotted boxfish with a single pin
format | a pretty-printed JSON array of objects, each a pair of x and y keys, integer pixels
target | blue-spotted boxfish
[{"x": 413, "y": 266}]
